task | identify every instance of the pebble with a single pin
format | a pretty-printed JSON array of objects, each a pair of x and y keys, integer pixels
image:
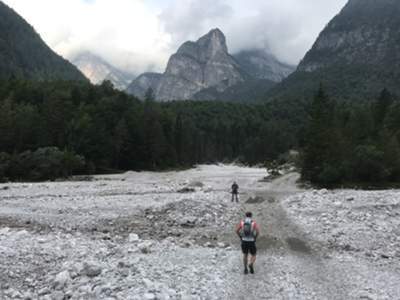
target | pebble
[
  {"x": 61, "y": 280},
  {"x": 145, "y": 247},
  {"x": 4, "y": 231},
  {"x": 133, "y": 237},
  {"x": 91, "y": 270},
  {"x": 149, "y": 296}
]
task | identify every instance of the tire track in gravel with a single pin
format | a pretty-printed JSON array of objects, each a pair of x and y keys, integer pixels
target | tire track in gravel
[{"x": 289, "y": 266}]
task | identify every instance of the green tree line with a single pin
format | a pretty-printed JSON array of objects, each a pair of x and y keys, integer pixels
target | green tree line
[
  {"x": 53, "y": 129},
  {"x": 352, "y": 144}
]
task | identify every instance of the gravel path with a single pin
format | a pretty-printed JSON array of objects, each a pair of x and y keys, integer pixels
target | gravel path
[
  {"x": 297, "y": 257},
  {"x": 171, "y": 236}
]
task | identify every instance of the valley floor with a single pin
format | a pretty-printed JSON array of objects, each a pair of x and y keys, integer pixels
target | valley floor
[{"x": 170, "y": 236}]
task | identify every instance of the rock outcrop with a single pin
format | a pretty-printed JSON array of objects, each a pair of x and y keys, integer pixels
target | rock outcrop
[
  {"x": 355, "y": 56},
  {"x": 199, "y": 65},
  {"x": 204, "y": 70},
  {"x": 365, "y": 32}
]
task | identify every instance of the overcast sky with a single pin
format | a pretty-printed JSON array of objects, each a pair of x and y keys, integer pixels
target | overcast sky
[{"x": 140, "y": 35}]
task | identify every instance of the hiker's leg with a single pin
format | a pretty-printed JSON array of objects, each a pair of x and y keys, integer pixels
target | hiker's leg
[
  {"x": 253, "y": 259},
  {"x": 245, "y": 260},
  {"x": 233, "y": 195}
]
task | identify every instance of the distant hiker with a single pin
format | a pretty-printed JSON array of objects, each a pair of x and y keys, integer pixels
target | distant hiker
[
  {"x": 248, "y": 231},
  {"x": 235, "y": 191}
]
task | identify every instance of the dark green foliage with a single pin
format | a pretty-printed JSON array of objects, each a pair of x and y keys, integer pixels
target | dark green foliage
[
  {"x": 23, "y": 54},
  {"x": 343, "y": 82},
  {"x": 359, "y": 144},
  {"x": 42, "y": 164},
  {"x": 319, "y": 140},
  {"x": 251, "y": 90},
  {"x": 114, "y": 131}
]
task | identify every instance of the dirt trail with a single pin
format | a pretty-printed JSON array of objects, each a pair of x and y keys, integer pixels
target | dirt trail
[{"x": 289, "y": 266}]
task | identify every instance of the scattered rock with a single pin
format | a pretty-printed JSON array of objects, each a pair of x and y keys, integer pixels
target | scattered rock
[
  {"x": 149, "y": 296},
  {"x": 91, "y": 270},
  {"x": 187, "y": 221},
  {"x": 195, "y": 184},
  {"x": 58, "y": 295},
  {"x": 186, "y": 190},
  {"x": 44, "y": 291},
  {"x": 255, "y": 200},
  {"x": 21, "y": 233},
  {"x": 4, "y": 231},
  {"x": 145, "y": 247},
  {"x": 222, "y": 245},
  {"x": 298, "y": 245},
  {"x": 133, "y": 237},
  {"x": 61, "y": 280},
  {"x": 323, "y": 191}
]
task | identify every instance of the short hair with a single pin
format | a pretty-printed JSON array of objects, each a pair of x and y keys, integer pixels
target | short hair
[{"x": 249, "y": 214}]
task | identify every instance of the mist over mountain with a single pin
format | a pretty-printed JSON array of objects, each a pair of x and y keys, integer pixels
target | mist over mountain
[
  {"x": 262, "y": 65},
  {"x": 97, "y": 70},
  {"x": 355, "y": 56},
  {"x": 204, "y": 70},
  {"x": 143, "y": 83},
  {"x": 23, "y": 54}
]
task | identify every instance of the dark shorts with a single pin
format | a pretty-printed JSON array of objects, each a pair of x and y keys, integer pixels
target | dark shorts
[{"x": 249, "y": 247}]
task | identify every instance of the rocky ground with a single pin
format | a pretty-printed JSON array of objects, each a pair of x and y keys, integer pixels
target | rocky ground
[{"x": 170, "y": 236}]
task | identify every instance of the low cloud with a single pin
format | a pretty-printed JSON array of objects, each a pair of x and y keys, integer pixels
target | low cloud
[
  {"x": 140, "y": 35},
  {"x": 287, "y": 28},
  {"x": 125, "y": 32}
]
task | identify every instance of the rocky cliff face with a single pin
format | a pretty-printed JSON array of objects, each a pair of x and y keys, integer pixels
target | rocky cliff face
[
  {"x": 24, "y": 54},
  {"x": 355, "y": 56},
  {"x": 365, "y": 32},
  {"x": 143, "y": 83},
  {"x": 204, "y": 70},
  {"x": 262, "y": 65},
  {"x": 199, "y": 65},
  {"x": 97, "y": 70}
]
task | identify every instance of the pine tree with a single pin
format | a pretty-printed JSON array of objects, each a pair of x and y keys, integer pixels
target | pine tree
[
  {"x": 381, "y": 108},
  {"x": 319, "y": 143}
]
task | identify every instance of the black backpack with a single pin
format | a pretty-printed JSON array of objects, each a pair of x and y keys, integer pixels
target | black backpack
[{"x": 248, "y": 228}]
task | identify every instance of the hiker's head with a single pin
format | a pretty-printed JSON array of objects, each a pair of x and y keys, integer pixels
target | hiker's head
[{"x": 249, "y": 214}]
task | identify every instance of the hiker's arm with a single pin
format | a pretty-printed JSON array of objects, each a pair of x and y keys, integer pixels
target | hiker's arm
[
  {"x": 238, "y": 230},
  {"x": 257, "y": 230}
]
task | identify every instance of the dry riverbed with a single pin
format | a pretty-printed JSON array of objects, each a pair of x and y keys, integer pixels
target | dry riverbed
[{"x": 170, "y": 236}]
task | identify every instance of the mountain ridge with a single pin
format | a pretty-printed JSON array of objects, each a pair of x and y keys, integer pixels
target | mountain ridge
[
  {"x": 23, "y": 53},
  {"x": 355, "y": 56},
  {"x": 98, "y": 69},
  {"x": 204, "y": 70}
]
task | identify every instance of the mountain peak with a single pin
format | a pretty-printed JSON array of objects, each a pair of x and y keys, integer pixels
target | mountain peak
[
  {"x": 199, "y": 65},
  {"x": 216, "y": 32},
  {"x": 215, "y": 41}
]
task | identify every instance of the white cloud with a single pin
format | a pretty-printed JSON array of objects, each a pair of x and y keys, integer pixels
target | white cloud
[
  {"x": 140, "y": 35},
  {"x": 125, "y": 32},
  {"x": 287, "y": 27}
]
